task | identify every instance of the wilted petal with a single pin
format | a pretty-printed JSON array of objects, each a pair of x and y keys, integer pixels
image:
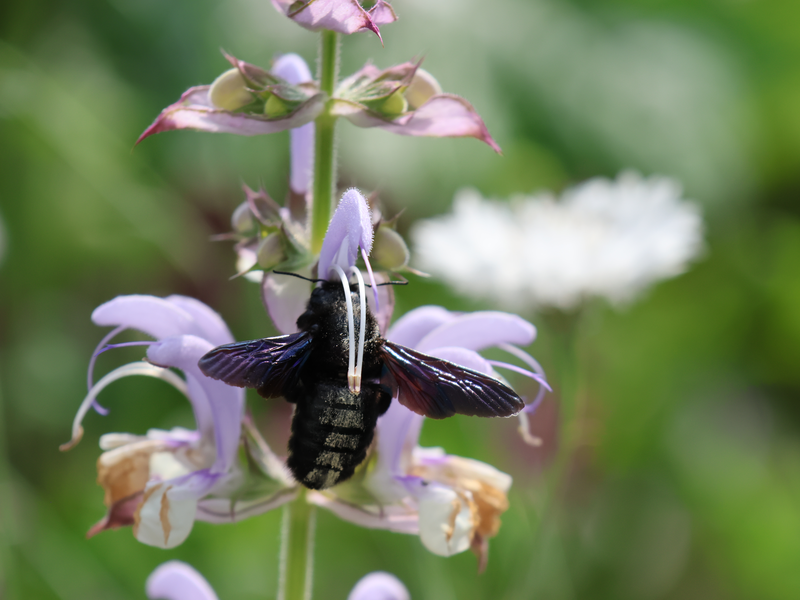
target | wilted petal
[
  {"x": 446, "y": 525},
  {"x": 162, "y": 520},
  {"x": 226, "y": 402},
  {"x": 285, "y": 299},
  {"x": 195, "y": 111},
  {"x": 350, "y": 227},
  {"x": 379, "y": 586},
  {"x": 294, "y": 69},
  {"x": 175, "y": 580},
  {"x": 342, "y": 16},
  {"x": 444, "y": 115},
  {"x": 120, "y": 514},
  {"x": 480, "y": 330}
]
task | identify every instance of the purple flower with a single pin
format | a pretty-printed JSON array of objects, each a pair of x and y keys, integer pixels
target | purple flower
[
  {"x": 342, "y": 16},
  {"x": 163, "y": 481},
  {"x": 452, "y": 503},
  {"x": 175, "y": 580}
]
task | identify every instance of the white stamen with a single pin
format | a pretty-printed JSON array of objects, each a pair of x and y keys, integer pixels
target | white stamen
[
  {"x": 371, "y": 279},
  {"x": 351, "y": 361},
  {"x": 137, "y": 368},
  {"x": 363, "y": 327}
]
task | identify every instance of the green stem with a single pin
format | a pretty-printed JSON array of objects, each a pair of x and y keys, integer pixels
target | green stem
[
  {"x": 297, "y": 550},
  {"x": 324, "y": 143}
]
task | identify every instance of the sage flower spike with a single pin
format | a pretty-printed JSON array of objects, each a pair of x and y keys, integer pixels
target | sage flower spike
[
  {"x": 407, "y": 100},
  {"x": 245, "y": 100},
  {"x": 161, "y": 482},
  {"x": 342, "y": 16}
]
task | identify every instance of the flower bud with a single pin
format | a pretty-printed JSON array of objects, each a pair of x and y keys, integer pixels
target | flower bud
[
  {"x": 270, "y": 252},
  {"x": 423, "y": 86},
  {"x": 275, "y": 107},
  {"x": 229, "y": 91},
  {"x": 394, "y": 105},
  {"x": 390, "y": 250},
  {"x": 242, "y": 218}
]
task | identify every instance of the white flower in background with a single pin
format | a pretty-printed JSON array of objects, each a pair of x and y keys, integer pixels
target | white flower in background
[{"x": 601, "y": 238}]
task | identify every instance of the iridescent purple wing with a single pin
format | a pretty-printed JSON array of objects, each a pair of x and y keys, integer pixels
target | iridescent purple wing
[
  {"x": 270, "y": 365},
  {"x": 437, "y": 388}
]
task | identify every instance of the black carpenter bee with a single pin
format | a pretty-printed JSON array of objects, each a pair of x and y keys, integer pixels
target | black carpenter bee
[{"x": 337, "y": 406}]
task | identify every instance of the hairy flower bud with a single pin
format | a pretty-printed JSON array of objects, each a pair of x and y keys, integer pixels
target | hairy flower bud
[
  {"x": 229, "y": 91},
  {"x": 390, "y": 250},
  {"x": 242, "y": 219},
  {"x": 270, "y": 252}
]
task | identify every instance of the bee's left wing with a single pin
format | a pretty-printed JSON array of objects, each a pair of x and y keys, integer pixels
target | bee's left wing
[
  {"x": 437, "y": 388},
  {"x": 270, "y": 365}
]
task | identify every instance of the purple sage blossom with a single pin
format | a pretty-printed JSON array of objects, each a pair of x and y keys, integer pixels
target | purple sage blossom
[
  {"x": 452, "y": 503},
  {"x": 161, "y": 482},
  {"x": 176, "y": 580},
  {"x": 342, "y": 16}
]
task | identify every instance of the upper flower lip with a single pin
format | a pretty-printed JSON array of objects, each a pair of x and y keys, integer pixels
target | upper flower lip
[{"x": 342, "y": 16}]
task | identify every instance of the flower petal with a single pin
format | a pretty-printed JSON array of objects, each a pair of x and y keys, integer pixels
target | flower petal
[
  {"x": 210, "y": 324},
  {"x": 175, "y": 580},
  {"x": 342, "y": 16},
  {"x": 480, "y": 330},
  {"x": 226, "y": 403},
  {"x": 379, "y": 586},
  {"x": 383, "y": 313},
  {"x": 285, "y": 299},
  {"x": 464, "y": 357},
  {"x": 294, "y": 69},
  {"x": 224, "y": 510},
  {"x": 194, "y": 110},
  {"x": 397, "y": 433},
  {"x": 382, "y": 13},
  {"x": 444, "y": 115},
  {"x": 413, "y": 326},
  {"x": 161, "y": 520},
  {"x": 350, "y": 227},
  {"x": 446, "y": 523},
  {"x": 390, "y": 517}
]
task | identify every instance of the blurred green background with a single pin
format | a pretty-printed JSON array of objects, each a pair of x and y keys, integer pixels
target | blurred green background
[{"x": 688, "y": 485}]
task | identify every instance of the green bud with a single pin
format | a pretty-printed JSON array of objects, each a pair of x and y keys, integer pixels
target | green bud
[
  {"x": 270, "y": 252},
  {"x": 229, "y": 91},
  {"x": 423, "y": 86},
  {"x": 275, "y": 107},
  {"x": 389, "y": 249},
  {"x": 394, "y": 105}
]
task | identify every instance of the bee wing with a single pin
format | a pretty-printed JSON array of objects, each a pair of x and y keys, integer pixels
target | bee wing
[
  {"x": 270, "y": 365},
  {"x": 437, "y": 388}
]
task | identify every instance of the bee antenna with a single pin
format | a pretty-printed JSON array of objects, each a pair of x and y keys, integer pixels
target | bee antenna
[
  {"x": 390, "y": 283},
  {"x": 298, "y": 276}
]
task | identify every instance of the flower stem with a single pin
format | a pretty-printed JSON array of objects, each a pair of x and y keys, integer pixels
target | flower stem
[
  {"x": 297, "y": 550},
  {"x": 324, "y": 145}
]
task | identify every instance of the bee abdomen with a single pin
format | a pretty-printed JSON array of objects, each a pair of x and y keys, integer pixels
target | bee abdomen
[{"x": 331, "y": 433}]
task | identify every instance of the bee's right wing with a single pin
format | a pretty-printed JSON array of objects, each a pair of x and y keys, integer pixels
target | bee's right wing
[
  {"x": 270, "y": 365},
  {"x": 437, "y": 388}
]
